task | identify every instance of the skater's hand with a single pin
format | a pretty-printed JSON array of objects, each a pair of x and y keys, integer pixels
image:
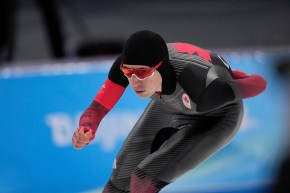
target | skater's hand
[{"x": 82, "y": 137}]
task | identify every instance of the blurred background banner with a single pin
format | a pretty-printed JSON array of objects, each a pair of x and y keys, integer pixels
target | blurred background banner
[{"x": 41, "y": 105}]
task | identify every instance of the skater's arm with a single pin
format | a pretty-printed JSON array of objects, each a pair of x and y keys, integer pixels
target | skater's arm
[
  {"x": 221, "y": 92},
  {"x": 104, "y": 101}
]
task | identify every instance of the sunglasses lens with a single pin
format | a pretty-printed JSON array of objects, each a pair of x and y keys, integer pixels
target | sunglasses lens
[
  {"x": 127, "y": 72},
  {"x": 143, "y": 73}
]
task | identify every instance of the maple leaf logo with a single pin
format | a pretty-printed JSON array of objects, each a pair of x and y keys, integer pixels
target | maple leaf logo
[
  {"x": 186, "y": 100},
  {"x": 192, "y": 50}
]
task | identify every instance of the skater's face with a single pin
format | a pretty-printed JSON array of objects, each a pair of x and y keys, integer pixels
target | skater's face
[{"x": 145, "y": 81}]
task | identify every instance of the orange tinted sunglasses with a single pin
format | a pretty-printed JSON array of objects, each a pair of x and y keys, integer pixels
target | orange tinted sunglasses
[{"x": 140, "y": 73}]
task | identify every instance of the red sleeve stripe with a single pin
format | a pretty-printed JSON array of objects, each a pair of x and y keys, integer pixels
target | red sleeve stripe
[
  {"x": 109, "y": 94},
  {"x": 239, "y": 74},
  {"x": 251, "y": 86}
]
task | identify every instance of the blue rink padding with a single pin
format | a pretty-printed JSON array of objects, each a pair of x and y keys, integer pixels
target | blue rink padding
[{"x": 41, "y": 105}]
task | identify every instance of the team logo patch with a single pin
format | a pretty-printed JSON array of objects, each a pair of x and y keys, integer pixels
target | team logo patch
[{"x": 186, "y": 100}]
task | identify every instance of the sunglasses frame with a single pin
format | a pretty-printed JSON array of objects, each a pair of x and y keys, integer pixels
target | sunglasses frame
[{"x": 152, "y": 69}]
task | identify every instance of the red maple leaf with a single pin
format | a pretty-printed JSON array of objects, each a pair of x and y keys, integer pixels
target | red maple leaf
[
  {"x": 186, "y": 99},
  {"x": 191, "y": 49}
]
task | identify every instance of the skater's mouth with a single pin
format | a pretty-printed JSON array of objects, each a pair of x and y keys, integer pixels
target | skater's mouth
[{"x": 139, "y": 91}]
